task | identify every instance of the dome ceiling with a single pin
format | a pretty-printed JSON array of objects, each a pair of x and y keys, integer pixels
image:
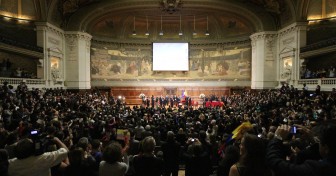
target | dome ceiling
[{"x": 224, "y": 19}]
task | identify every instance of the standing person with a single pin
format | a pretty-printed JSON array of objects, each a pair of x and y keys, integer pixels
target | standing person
[
  {"x": 327, "y": 149},
  {"x": 152, "y": 101},
  {"x": 252, "y": 158},
  {"x": 197, "y": 161},
  {"x": 115, "y": 161},
  {"x": 318, "y": 90},
  {"x": 3, "y": 162},
  {"x": 305, "y": 89},
  {"x": 171, "y": 150},
  {"x": 231, "y": 156},
  {"x": 78, "y": 165},
  {"x": 146, "y": 163},
  {"x": 161, "y": 101},
  {"x": 26, "y": 163}
]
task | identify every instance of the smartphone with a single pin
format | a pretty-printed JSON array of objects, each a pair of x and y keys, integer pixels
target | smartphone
[
  {"x": 33, "y": 132},
  {"x": 293, "y": 130},
  {"x": 192, "y": 140}
]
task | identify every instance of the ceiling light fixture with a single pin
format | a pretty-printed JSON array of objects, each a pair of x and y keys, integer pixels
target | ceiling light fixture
[
  {"x": 207, "y": 30},
  {"x": 161, "y": 32},
  {"x": 147, "y": 32},
  {"x": 194, "y": 33},
  {"x": 134, "y": 32},
  {"x": 180, "y": 32}
]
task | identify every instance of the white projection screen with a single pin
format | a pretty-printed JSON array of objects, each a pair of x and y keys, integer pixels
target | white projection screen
[{"x": 170, "y": 56}]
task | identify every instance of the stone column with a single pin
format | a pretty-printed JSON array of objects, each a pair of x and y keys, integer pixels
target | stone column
[
  {"x": 77, "y": 64},
  {"x": 264, "y": 51}
]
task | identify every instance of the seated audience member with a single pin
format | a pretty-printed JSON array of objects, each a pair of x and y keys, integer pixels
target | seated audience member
[
  {"x": 327, "y": 148},
  {"x": 146, "y": 163},
  {"x": 252, "y": 158},
  {"x": 26, "y": 163},
  {"x": 197, "y": 161},
  {"x": 114, "y": 161},
  {"x": 78, "y": 165}
]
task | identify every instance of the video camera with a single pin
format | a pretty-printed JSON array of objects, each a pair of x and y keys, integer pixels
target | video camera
[{"x": 41, "y": 143}]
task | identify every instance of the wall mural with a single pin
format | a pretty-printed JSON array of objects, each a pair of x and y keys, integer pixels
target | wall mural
[{"x": 107, "y": 64}]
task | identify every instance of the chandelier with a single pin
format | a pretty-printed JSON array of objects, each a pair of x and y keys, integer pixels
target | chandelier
[{"x": 171, "y": 6}]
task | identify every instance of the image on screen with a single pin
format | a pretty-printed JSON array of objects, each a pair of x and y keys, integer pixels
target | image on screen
[{"x": 170, "y": 56}]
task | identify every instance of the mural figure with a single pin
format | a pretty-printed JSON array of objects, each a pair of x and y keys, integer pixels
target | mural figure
[
  {"x": 210, "y": 64},
  {"x": 116, "y": 68}
]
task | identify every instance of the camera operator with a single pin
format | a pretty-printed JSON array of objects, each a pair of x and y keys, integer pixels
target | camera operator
[
  {"x": 327, "y": 149},
  {"x": 27, "y": 163}
]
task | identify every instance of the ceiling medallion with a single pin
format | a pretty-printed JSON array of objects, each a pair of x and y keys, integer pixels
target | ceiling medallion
[{"x": 171, "y": 6}]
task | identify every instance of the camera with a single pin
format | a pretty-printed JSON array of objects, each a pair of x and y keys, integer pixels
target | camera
[{"x": 41, "y": 142}]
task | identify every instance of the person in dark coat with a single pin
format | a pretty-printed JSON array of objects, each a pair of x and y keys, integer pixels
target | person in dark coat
[
  {"x": 197, "y": 161},
  {"x": 171, "y": 149},
  {"x": 146, "y": 163}
]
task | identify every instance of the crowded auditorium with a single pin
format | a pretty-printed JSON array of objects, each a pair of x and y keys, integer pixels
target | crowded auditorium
[{"x": 167, "y": 88}]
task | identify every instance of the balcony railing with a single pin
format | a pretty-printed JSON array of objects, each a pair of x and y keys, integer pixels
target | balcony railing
[{"x": 326, "y": 83}]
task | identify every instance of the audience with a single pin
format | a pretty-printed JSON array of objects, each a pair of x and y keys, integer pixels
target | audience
[{"x": 87, "y": 122}]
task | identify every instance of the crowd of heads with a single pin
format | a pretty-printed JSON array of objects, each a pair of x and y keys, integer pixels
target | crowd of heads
[{"x": 87, "y": 120}]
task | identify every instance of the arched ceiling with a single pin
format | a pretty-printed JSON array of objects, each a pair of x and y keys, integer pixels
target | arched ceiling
[
  {"x": 224, "y": 19},
  {"x": 114, "y": 19}
]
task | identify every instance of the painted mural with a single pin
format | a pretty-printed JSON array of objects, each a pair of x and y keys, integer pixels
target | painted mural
[{"x": 125, "y": 64}]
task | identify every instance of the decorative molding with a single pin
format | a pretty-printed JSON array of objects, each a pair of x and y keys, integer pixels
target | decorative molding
[
  {"x": 22, "y": 51},
  {"x": 56, "y": 52},
  {"x": 263, "y": 35},
  {"x": 53, "y": 41},
  {"x": 78, "y": 35},
  {"x": 216, "y": 44},
  {"x": 288, "y": 41},
  {"x": 292, "y": 28},
  {"x": 320, "y": 51},
  {"x": 49, "y": 28}
]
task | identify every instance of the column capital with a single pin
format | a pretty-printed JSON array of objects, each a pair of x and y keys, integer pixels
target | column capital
[
  {"x": 263, "y": 35},
  {"x": 40, "y": 26},
  {"x": 78, "y": 35}
]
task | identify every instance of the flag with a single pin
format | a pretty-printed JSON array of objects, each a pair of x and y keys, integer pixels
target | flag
[{"x": 241, "y": 129}]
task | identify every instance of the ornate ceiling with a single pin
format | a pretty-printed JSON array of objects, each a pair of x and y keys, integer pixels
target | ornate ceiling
[
  {"x": 117, "y": 19},
  {"x": 224, "y": 19}
]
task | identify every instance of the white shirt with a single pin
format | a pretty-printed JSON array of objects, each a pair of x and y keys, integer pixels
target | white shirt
[{"x": 36, "y": 165}]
